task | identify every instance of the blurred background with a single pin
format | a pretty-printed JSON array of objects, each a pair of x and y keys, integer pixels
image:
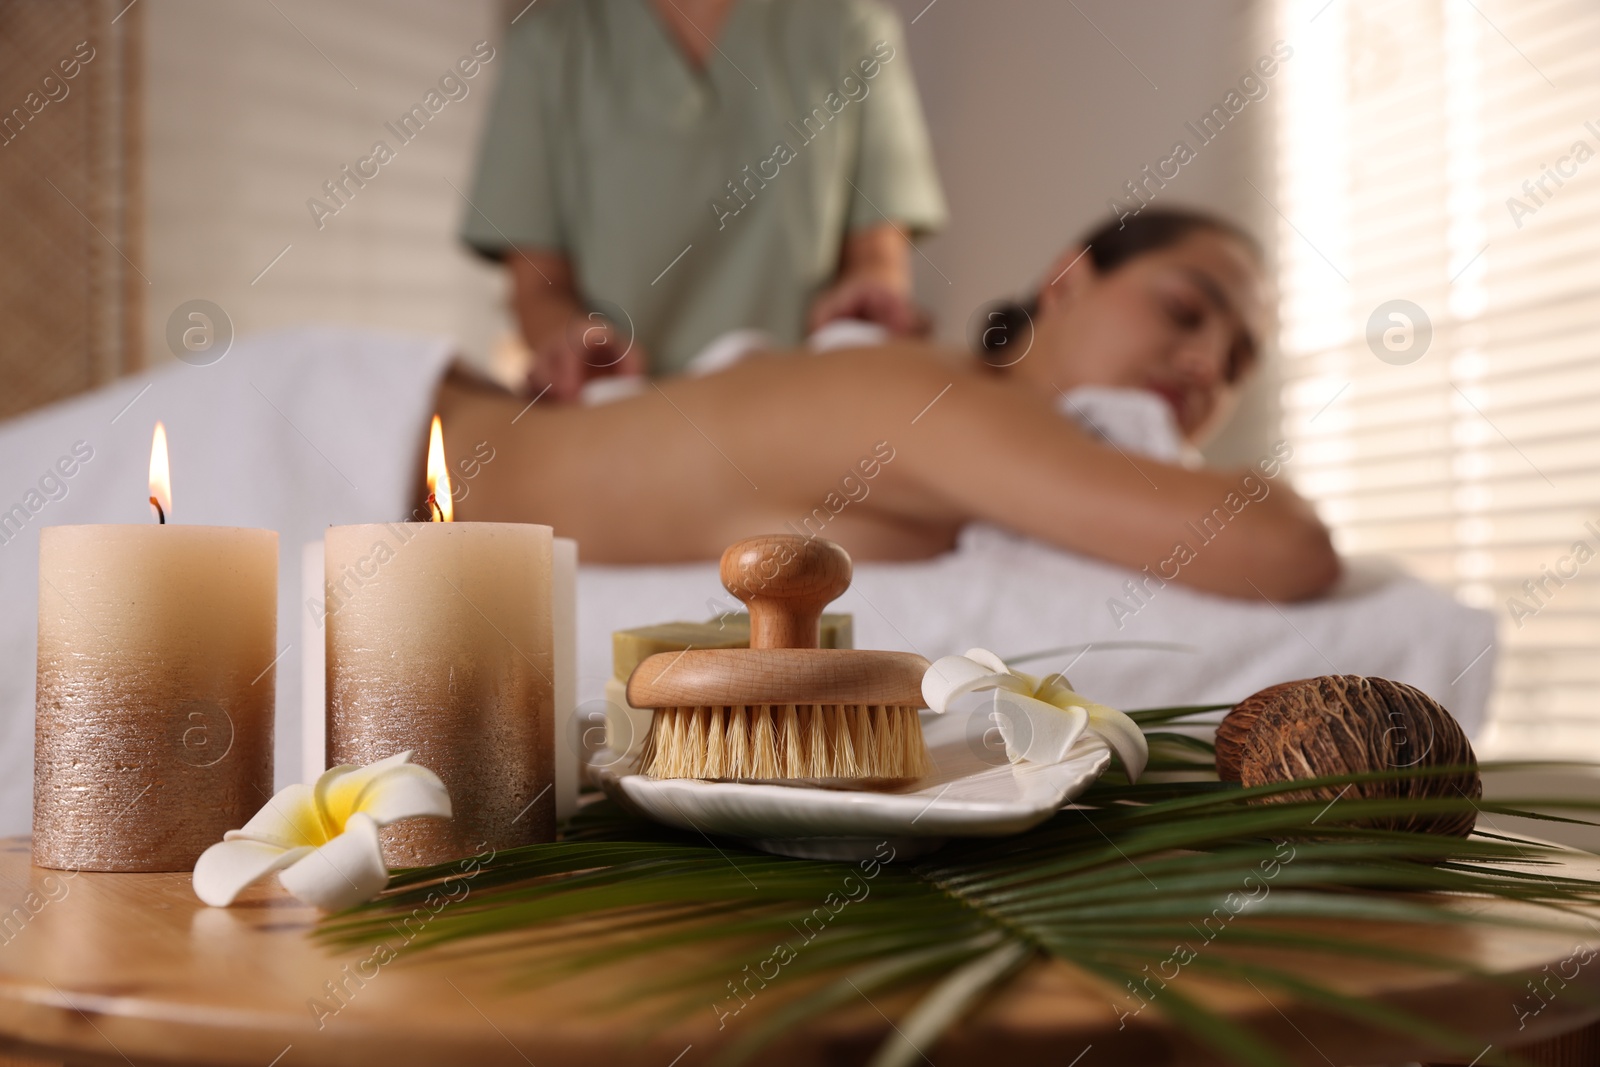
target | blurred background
[{"x": 1419, "y": 171}]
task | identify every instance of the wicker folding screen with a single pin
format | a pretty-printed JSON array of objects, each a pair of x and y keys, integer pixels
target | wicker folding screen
[{"x": 71, "y": 291}]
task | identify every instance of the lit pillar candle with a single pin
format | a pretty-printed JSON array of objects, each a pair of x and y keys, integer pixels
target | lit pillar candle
[
  {"x": 439, "y": 640},
  {"x": 564, "y": 609},
  {"x": 564, "y": 632},
  {"x": 154, "y": 717},
  {"x": 313, "y": 665}
]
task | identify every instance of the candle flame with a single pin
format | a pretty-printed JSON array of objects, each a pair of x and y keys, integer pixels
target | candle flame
[
  {"x": 438, "y": 475},
  {"x": 160, "y": 476}
]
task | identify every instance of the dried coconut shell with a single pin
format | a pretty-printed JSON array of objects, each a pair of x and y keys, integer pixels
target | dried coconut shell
[{"x": 1347, "y": 724}]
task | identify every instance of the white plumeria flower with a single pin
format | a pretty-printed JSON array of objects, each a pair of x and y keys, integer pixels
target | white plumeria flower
[
  {"x": 1039, "y": 719},
  {"x": 323, "y": 838}
]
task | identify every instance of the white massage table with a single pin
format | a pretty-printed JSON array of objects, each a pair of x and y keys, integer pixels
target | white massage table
[{"x": 298, "y": 430}]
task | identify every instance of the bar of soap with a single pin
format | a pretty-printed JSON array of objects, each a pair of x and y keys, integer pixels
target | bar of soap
[{"x": 630, "y": 647}]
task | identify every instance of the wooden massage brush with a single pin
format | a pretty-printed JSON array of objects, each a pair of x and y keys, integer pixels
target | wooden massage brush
[{"x": 783, "y": 708}]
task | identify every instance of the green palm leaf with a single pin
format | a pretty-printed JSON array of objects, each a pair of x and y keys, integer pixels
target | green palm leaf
[{"x": 1109, "y": 886}]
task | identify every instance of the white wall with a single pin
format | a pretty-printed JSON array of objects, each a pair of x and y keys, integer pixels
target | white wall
[{"x": 249, "y": 111}]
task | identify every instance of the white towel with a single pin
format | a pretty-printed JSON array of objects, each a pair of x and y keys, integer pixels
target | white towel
[
  {"x": 1136, "y": 420},
  {"x": 1015, "y": 596}
]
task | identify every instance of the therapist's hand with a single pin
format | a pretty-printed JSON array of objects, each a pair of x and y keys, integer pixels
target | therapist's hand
[
  {"x": 869, "y": 299},
  {"x": 585, "y": 347},
  {"x": 873, "y": 284},
  {"x": 570, "y": 346}
]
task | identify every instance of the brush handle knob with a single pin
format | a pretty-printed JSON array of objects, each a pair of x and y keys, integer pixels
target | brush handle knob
[{"x": 785, "y": 580}]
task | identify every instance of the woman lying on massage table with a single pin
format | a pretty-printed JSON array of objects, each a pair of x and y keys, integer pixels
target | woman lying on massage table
[{"x": 890, "y": 451}]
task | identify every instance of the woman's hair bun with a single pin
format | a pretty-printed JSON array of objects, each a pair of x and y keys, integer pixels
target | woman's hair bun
[{"x": 1003, "y": 331}]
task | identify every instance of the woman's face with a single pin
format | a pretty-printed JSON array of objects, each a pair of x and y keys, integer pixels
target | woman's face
[{"x": 1183, "y": 322}]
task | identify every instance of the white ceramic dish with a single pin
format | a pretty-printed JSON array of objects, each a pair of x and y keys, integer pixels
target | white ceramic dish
[{"x": 972, "y": 792}]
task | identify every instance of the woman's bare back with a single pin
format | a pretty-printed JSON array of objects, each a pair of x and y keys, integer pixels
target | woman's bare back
[{"x": 813, "y": 443}]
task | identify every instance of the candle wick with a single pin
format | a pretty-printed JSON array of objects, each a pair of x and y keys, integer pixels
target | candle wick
[
  {"x": 160, "y": 514},
  {"x": 434, "y": 508}
]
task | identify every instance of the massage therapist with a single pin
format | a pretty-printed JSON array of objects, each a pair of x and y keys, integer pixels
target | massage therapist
[{"x": 655, "y": 173}]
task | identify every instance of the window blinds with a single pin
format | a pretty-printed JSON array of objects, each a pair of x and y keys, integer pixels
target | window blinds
[{"x": 1438, "y": 190}]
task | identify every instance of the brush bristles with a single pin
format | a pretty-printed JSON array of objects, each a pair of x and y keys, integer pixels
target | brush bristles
[{"x": 768, "y": 741}]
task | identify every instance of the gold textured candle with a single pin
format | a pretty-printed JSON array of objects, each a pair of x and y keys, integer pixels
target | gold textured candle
[
  {"x": 439, "y": 641},
  {"x": 153, "y": 732}
]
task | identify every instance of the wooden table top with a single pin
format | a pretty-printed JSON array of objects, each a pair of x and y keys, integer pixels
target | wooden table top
[{"x": 131, "y": 968}]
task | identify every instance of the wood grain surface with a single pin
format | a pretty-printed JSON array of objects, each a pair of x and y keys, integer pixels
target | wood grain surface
[
  {"x": 131, "y": 968},
  {"x": 719, "y": 677}
]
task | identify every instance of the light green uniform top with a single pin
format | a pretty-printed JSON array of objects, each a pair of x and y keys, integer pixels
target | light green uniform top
[{"x": 691, "y": 202}]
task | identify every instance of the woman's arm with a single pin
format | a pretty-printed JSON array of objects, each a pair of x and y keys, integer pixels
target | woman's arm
[{"x": 1006, "y": 456}]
